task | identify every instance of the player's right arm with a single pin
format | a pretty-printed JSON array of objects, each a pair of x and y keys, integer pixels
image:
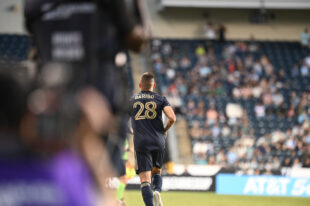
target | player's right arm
[{"x": 171, "y": 118}]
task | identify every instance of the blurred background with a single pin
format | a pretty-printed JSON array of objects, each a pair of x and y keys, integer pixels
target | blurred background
[{"x": 237, "y": 73}]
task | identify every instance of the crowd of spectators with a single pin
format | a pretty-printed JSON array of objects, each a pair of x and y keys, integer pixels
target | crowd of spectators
[{"x": 228, "y": 92}]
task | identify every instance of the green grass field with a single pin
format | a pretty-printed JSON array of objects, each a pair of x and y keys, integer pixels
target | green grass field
[{"x": 134, "y": 198}]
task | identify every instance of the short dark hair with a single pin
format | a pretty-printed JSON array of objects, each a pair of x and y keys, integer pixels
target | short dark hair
[
  {"x": 12, "y": 102},
  {"x": 147, "y": 80}
]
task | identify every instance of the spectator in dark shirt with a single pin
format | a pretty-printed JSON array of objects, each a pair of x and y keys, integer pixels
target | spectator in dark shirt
[{"x": 221, "y": 33}]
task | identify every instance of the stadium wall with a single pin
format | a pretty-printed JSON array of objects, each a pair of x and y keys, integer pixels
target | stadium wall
[
  {"x": 209, "y": 178},
  {"x": 274, "y": 4},
  {"x": 189, "y": 22},
  {"x": 11, "y": 16}
]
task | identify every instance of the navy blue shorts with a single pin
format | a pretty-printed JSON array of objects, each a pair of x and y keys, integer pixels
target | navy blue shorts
[{"x": 145, "y": 161}]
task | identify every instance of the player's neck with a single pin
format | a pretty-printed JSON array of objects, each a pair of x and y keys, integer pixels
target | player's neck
[{"x": 147, "y": 90}]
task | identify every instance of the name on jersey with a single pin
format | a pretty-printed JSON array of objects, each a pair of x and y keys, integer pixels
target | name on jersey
[{"x": 144, "y": 96}]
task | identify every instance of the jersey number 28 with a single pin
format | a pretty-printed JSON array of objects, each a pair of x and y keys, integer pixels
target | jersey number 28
[{"x": 150, "y": 110}]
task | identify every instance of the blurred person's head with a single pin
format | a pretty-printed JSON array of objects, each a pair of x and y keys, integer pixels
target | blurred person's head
[
  {"x": 306, "y": 162},
  {"x": 211, "y": 160},
  {"x": 191, "y": 104},
  {"x": 287, "y": 161},
  {"x": 201, "y": 104},
  {"x": 296, "y": 161}
]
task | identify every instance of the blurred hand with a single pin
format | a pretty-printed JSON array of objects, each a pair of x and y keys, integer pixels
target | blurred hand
[
  {"x": 166, "y": 134},
  {"x": 137, "y": 38},
  {"x": 96, "y": 109}
]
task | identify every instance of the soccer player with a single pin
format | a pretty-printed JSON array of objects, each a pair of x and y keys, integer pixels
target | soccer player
[{"x": 150, "y": 136}]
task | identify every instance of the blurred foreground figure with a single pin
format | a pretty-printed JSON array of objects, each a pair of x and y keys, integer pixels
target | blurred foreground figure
[
  {"x": 28, "y": 178},
  {"x": 90, "y": 36}
]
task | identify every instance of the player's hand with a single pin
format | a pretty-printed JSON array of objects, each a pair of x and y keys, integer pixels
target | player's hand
[{"x": 166, "y": 134}]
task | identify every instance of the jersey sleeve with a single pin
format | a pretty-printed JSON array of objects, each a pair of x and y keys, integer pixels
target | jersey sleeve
[{"x": 165, "y": 102}]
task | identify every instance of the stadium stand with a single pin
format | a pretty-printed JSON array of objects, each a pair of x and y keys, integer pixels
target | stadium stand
[
  {"x": 13, "y": 47},
  {"x": 246, "y": 102}
]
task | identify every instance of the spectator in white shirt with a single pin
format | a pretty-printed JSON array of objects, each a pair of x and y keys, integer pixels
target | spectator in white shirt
[
  {"x": 260, "y": 110},
  {"x": 304, "y": 38},
  {"x": 209, "y": 31},
  {"x": 304, "y": 70},
  {"x": 307, "y": 60},
  {"x": 277, "y": 98},
  {"x": 200, "y": 147}
]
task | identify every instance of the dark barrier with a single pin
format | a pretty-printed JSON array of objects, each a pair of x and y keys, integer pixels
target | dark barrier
[{"x": 180, "y": 183}]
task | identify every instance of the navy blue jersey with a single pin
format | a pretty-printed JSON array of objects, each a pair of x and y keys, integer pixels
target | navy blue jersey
[{"x": 147, "y": 123}]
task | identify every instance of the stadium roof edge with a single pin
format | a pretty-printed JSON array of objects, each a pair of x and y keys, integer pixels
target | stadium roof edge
[{"x": 238, "y": 4}]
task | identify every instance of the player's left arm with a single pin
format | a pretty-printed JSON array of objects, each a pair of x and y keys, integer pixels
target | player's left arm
[{"x": 171, "y": 118}]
